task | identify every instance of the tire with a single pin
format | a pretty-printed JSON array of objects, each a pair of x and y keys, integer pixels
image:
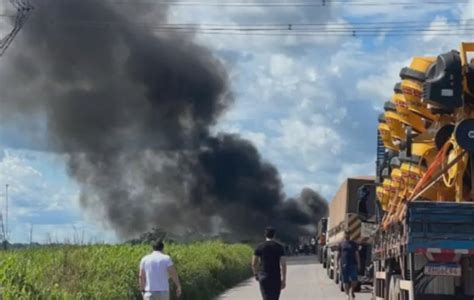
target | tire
[
  {"x": 394, "y": 292},
  {"x": 330, "y": 271},
  {"x": 324, "y": 259},
  {"x": 358, "y": 288}
]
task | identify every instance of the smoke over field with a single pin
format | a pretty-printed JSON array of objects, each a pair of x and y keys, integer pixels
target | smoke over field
[{"x": 132, "y": 110}]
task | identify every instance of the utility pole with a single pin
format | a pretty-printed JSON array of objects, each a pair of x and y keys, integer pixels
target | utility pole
[
  {"x": 6, "y": 212},
  {"x": 24, "y": 9},
  {"x": 3, "y": 239},
  {"x": 31, "y": 234}
]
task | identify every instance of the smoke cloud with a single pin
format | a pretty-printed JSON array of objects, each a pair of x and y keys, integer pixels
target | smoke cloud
[{"x": 132, "y": 109}]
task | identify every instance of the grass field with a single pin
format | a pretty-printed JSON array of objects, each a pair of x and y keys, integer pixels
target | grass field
[{"x": 110, "y": 271}]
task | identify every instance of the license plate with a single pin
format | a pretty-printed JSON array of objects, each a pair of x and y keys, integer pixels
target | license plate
[{"x": 443, "y": 269}]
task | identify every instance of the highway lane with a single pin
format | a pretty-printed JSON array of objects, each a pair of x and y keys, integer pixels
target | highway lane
[{"x": 307, "y": 280}]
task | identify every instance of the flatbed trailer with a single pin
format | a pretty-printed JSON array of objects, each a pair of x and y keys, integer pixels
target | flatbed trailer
[{"x": 429, "y": 256}]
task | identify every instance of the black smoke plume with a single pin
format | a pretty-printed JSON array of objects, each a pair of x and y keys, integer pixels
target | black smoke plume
[{"x": 131, "y": 109}]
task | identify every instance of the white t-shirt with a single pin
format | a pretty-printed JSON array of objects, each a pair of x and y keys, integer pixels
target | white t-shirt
[{"x": 155, "y": 266}]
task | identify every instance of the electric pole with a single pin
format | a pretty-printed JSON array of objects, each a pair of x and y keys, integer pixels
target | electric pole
[
  {"x": 2, "y": 233},
  {"x": 31, "y": 234},
  {"x": 6, "y": 211}
]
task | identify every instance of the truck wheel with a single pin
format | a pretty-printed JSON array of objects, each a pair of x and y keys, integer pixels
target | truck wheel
[
  {"x": 394, "y": 288},
  {"x": 358, "y": 288},
  {"x": 330, "y": 270}
]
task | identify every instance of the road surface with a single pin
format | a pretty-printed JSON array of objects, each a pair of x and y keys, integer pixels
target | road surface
[{"x": 306, "y": 280}]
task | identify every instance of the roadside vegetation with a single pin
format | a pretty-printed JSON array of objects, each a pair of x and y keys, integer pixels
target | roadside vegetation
[{"x": 110, "y": 271}]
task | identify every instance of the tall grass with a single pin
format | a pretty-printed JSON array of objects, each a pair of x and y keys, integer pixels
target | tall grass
[{"x": 110, "y": 271}]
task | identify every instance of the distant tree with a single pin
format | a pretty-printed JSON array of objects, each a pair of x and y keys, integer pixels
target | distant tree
[{"x": 150, "y": 236}]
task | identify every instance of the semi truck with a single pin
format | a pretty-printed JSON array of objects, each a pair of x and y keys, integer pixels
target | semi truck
[
  {"x": 424, "y": 243},
  {"x": 350, "y": 212}
]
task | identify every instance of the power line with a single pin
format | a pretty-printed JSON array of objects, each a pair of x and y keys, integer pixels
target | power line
[
  {"x": 324, "y": 33},
  {"x": 450, "y": 23},
  {"x": 288, "y": 28},
  {"x": 378, "y": 23},
  {"x": 285, "y": 4},
  {"x": 454, "y": 27}
]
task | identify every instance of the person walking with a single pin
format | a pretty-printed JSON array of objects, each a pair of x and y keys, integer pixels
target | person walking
[
  {"x": 349, "y": 261},
  {"x": 269, "y": 266},
  {"x": 155, "y": 270}
]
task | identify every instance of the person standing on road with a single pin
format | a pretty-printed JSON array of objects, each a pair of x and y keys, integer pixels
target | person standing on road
[
  {"x": 155, "y": 270},
  {"x": 269, "y": 266},
  {"x": 349, "y": 262}
]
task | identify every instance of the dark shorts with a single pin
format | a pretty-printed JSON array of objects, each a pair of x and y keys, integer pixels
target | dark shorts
[
  {"x": 270, "y": 287},
  {"x": 349, "y": 273}
]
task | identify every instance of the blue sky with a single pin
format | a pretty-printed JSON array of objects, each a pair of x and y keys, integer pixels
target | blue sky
[{"x": 309, "y": 104}]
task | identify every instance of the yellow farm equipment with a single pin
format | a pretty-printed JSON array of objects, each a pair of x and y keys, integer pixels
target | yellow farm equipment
[
  {"x": 426, "y": 130},
  {"x": 424, "y": 243}
]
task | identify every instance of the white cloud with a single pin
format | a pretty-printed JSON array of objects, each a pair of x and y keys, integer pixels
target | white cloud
[
  {"x": 281, "y": 65},
  {"x": 309, "y": 140},
  {"x": 392, "y": 11},
  {"x": 295, "y": 181},
  {"x": 78, "y": 233},
  {"x": 259, "y": 139},
  {"x": 357, "y": 169},
  {"x": 434, "y": 26},
  {"x": 40, "y": 195},
  {"x": 379, "y": 85}
]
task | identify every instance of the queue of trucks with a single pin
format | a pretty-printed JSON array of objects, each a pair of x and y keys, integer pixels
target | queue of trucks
[{"x": 414, "y": 220}]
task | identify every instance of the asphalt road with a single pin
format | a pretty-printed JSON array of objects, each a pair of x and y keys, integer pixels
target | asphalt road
[{"x": 306, "y": 280}]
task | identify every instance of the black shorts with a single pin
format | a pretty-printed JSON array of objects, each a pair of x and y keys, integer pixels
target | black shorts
[{"x": 270, "y": 287}]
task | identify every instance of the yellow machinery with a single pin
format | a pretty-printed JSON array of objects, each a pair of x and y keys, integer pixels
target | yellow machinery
[
  {"x": 385, "y": 134},
  {"x": 407, "y": 116},
  {"x": 426, "y": 126}
]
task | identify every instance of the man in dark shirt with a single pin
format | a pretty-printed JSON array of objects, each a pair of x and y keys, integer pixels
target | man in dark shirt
[
  {"x": 269, "y": 266},
  {"x": 349, "y": 262}
]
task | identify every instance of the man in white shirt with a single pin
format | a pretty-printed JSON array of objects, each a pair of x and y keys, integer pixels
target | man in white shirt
[{"x": 155, "y": 269}]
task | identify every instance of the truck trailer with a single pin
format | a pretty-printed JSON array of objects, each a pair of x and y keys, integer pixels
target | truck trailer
[{"x": 348, "y": 213}]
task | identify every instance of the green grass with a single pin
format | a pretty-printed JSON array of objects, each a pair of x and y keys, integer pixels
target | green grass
[{"x": 110, "y": 271}]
